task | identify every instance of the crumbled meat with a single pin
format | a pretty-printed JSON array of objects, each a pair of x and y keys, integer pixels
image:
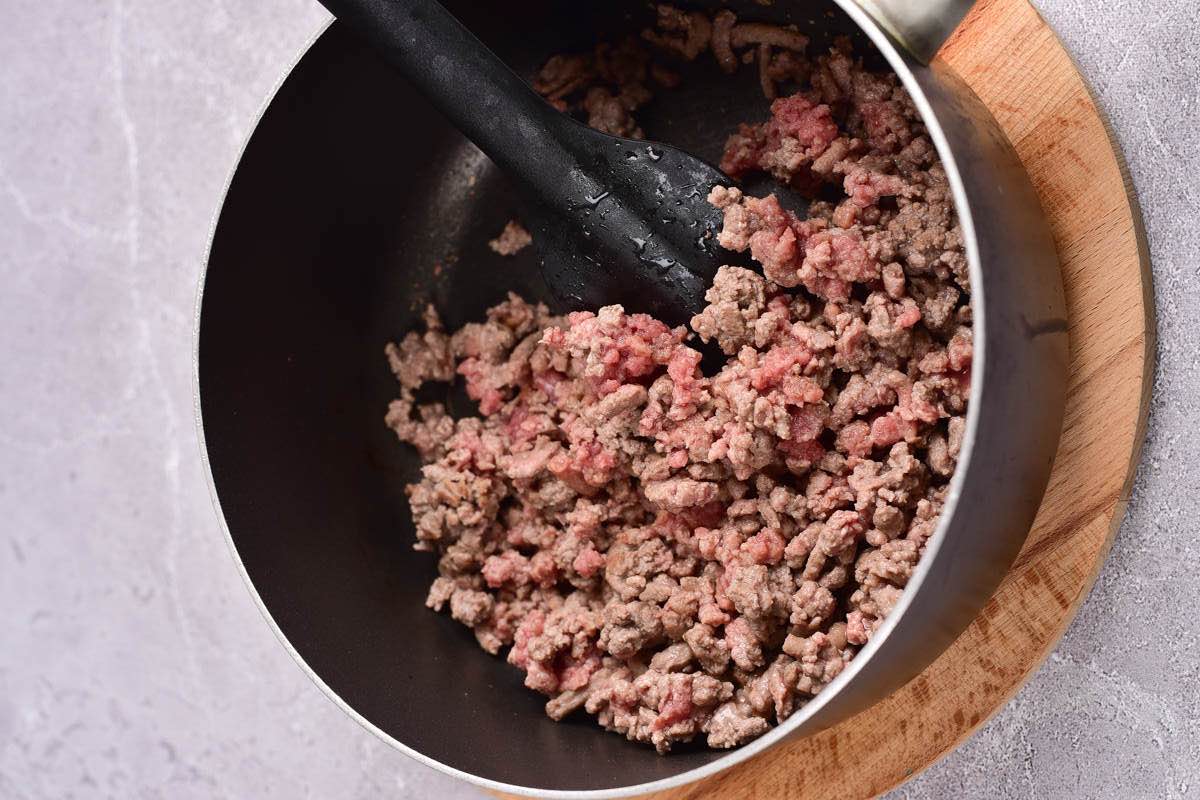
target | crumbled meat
[
  {"x": 607, "y": 86},
  {"x": 563, "y": 74},
  {"x": 722, "y": 43},
  {"x": 736, "y": 300},
  {"x": 762, "y": 33},
  {"x": 682, "y": 554},
  {"x": 512, "y": 240},
  {"x": 684, "y": 32},
  {"x": 607, "y": 114},
  {"x": 422, "y": 357}
]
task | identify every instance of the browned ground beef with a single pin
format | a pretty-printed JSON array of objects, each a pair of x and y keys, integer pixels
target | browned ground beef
[
  {"x": 512, "y": 240},
  {"x": 683, "y": 555}
]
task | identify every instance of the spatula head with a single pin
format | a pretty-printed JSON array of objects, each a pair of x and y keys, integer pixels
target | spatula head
[{"x": 637, "y": 228}]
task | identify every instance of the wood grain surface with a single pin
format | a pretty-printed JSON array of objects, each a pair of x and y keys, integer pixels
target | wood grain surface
[{"x": 1016, "y": 64}]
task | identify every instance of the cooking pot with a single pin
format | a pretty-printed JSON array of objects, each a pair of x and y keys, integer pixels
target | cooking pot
[{"x": 354, "y": 204}]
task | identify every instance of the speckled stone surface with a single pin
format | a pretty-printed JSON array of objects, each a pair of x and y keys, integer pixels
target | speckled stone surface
[{"x": 133, "y": 662}]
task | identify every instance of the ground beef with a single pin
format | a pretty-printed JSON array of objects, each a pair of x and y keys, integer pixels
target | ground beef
[
  {"x": 607, "y": 86},
  {"x": 512, "y": 240},
  {"x": 684, "y": 555}
]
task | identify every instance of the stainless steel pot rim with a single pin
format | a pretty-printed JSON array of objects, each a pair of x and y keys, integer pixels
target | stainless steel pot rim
[{"x": 903, "y": 66}]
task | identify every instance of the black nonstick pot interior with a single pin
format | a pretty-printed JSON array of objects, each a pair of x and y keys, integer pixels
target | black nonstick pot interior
[{"x": 353, "y": 205}]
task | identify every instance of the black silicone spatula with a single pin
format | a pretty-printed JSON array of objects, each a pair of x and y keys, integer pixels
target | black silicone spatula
[{"x": 614, "y": 220}]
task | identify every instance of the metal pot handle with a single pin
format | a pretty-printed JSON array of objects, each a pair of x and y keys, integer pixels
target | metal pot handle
[{"x": 920, "y": 26}]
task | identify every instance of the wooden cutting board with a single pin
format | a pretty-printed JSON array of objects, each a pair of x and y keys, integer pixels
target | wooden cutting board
[{"x": 1015, "y": 63}]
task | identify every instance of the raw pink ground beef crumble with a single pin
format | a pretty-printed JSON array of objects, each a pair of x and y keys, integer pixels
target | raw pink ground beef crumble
[{"x": 682, "y": 555}]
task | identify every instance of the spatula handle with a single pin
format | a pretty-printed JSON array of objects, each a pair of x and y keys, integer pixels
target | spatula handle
[{"x": 466, "y": 81}]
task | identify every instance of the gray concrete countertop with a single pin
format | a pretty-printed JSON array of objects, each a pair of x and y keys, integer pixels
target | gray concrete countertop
[{"x": 133, "y": 662}]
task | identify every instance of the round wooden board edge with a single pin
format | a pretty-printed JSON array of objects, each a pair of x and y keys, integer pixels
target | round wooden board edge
[{"x": 1148, "y": 360}]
